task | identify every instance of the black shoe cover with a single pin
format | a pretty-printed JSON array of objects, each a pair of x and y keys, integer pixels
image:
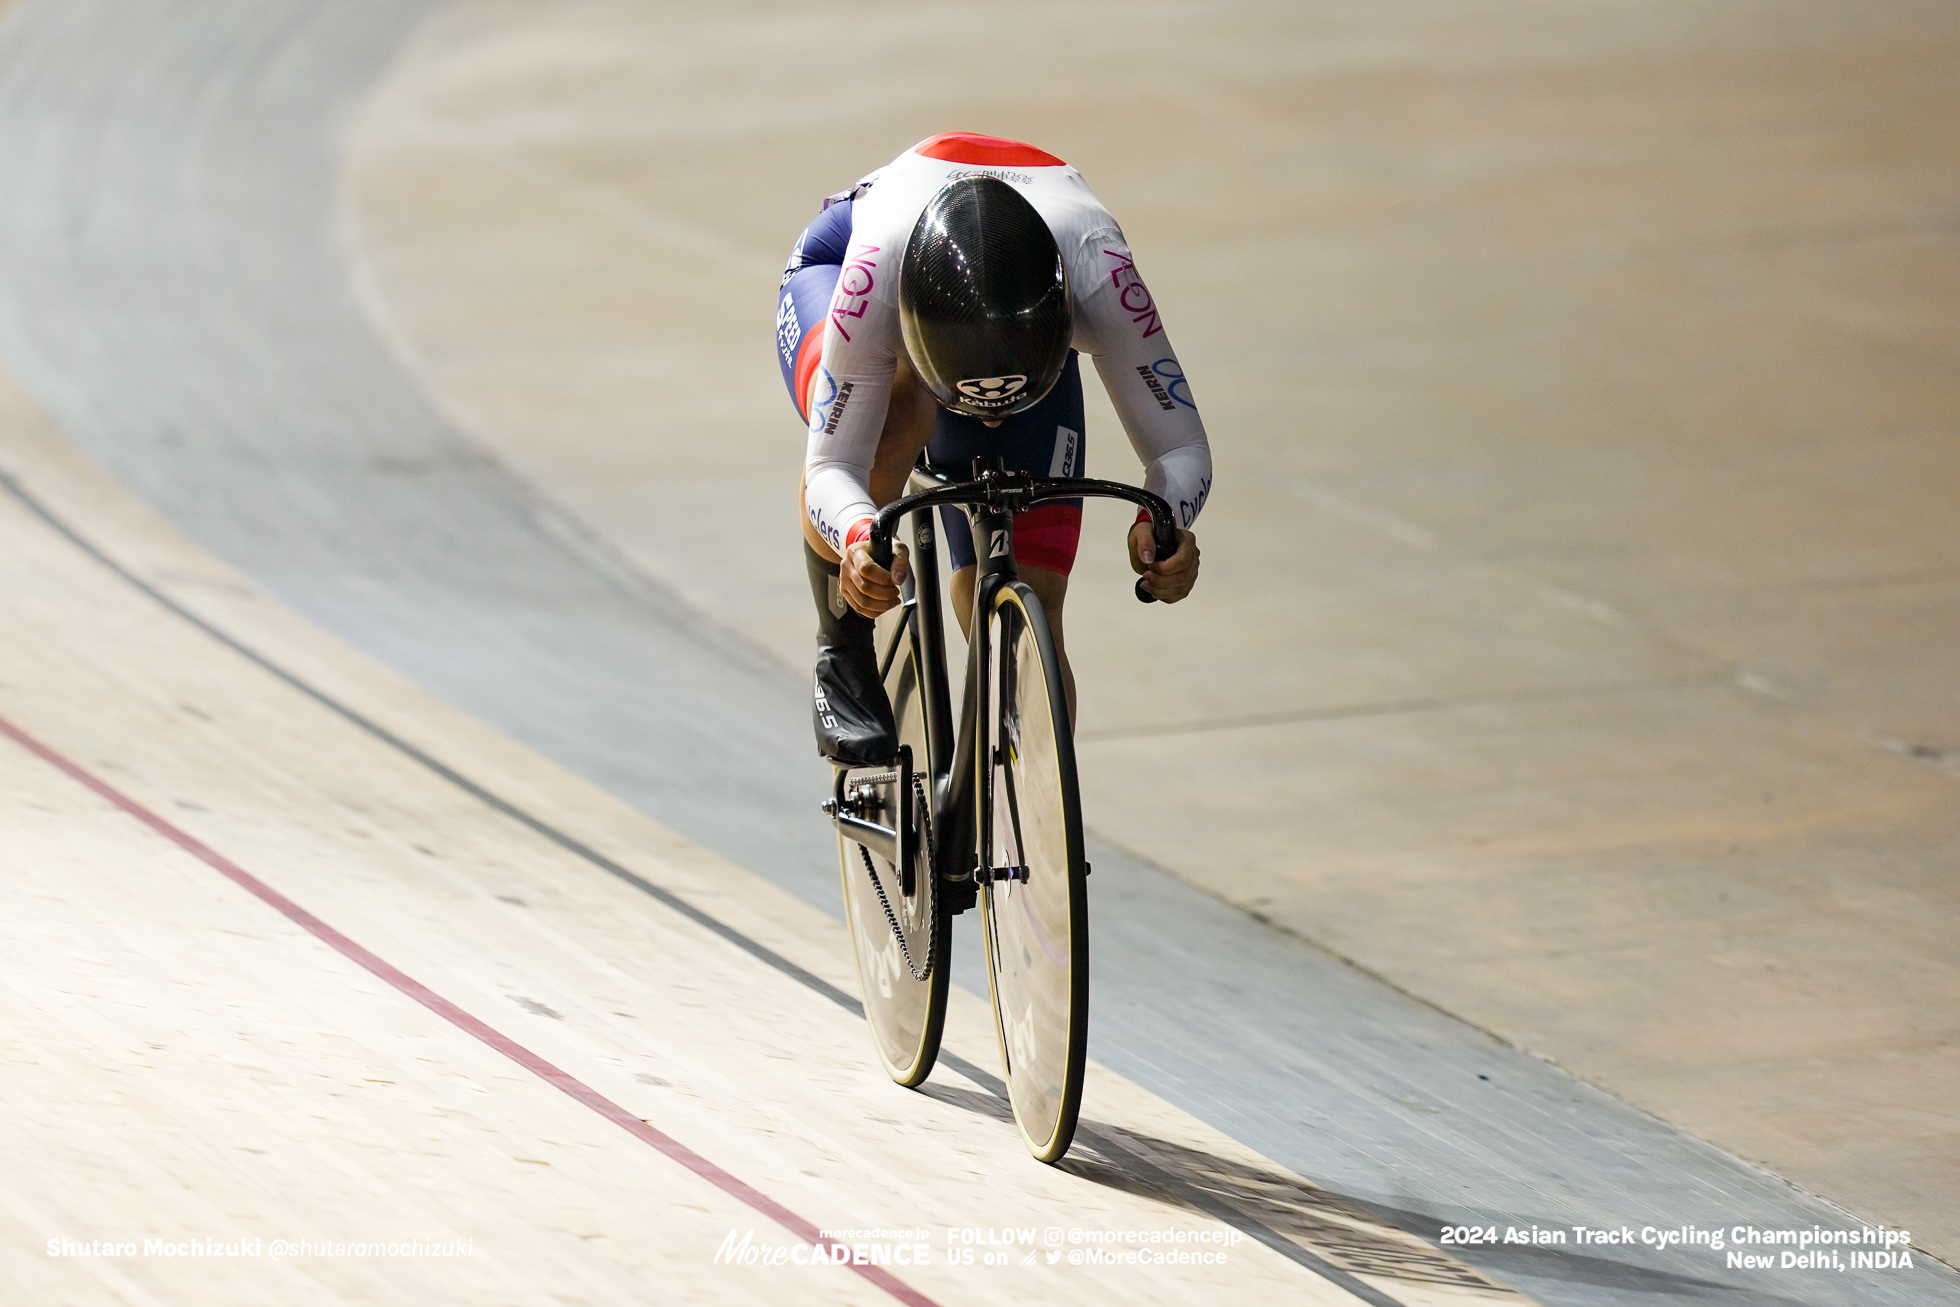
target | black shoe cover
[
  {"x": 851, "y": 712},
  {"x": 853, "y": 716}
]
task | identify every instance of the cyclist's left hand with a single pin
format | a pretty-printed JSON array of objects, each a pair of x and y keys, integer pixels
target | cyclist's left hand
[
  {"x": 867, "y": 587},
  {"x": 1167, "y": 579}
]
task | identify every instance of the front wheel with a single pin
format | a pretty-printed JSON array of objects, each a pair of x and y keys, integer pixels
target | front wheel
[{"x": 1035, "y": 904}]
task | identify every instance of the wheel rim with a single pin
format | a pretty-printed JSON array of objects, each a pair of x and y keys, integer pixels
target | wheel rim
[{"x": 1035, "y": 929}]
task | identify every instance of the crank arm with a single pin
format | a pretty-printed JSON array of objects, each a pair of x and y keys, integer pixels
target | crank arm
[
  {"x": 857, "y": 793},
  {"x": 881, "y": 840}
]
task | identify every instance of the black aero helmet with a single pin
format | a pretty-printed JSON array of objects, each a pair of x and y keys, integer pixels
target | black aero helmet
[{"x": 983, "y": 300}]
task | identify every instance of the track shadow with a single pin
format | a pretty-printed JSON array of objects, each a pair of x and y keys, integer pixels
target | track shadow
[
  {"x": 991, "y": 1106},
  {"x": 1361, "y": 1236},
  {"x": 1262, "y": 1202},
  {"x": 1329, "y": 1232}
]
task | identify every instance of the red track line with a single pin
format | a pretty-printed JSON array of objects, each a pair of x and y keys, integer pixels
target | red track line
[{"x": 448, "y": 1011}]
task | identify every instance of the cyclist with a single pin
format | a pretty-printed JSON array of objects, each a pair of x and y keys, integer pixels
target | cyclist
[{"x": 939, "y": 304}]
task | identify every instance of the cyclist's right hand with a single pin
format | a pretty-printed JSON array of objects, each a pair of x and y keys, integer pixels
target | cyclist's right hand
[
  {"x": 867, "y": 587},
  {"x": 1167, "y": 579}
]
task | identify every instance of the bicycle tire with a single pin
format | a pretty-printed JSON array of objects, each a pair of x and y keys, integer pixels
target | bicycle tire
[
  {"x": 1037, "y": 929},
  {"x": 906, "y": 1014}
]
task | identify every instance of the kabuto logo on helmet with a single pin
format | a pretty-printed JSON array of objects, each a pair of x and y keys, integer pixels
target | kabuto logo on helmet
[{"x": 992, "y": 390}]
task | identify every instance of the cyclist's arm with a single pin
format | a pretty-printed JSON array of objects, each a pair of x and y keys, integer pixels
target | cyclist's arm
[
  {"x": 1119, "y": 323},
  {"x": 844, "y": 435},
  {"x": 852, "y": 392},
  {"x": 837, "y": 464}
]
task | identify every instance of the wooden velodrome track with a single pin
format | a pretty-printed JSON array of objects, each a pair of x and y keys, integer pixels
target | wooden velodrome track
[{"x": 365, "y": 885}]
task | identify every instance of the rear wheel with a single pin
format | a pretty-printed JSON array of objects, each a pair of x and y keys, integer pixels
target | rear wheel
[
  {"x": 1035, "y": 909},
  {"x": 897, "y": 916}
]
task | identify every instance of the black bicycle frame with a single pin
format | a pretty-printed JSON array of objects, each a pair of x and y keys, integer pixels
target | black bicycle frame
[{"x": 992, "y": 499}]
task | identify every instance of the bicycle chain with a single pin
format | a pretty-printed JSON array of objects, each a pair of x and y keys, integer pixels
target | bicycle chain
[{"x": 891, "y": 918}]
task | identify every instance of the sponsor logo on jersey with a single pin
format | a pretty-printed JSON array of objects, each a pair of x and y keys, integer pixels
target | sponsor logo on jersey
[
  {"x": 788, "y": 332},
  {"x": 1018, "y": 178},
  {"x": 831, "y": 535},
  {"x": 1066, "y": 444},
  {"x": 854, "y": 285},
  {"x": 1173, "y": 373},
  {"x": 1157, "y": 390},
  {"x": 823, "y": 389},
  {"x": 1188, "y": 509},
  {"x": 1132, "y": 294},
  {"x": 990, "y": 391},
  {"x": 837, "y": 407}
]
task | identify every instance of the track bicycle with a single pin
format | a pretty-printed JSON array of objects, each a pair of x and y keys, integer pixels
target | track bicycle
[{"x": 988, "y": 817}]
